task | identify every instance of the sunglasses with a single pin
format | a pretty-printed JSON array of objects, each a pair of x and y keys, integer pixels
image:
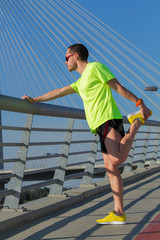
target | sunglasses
[{"x": 67, "y": 57}]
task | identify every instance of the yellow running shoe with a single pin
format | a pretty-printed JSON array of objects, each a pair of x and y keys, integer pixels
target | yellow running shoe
[
  {"x": 111, "y": 218},
  {"x": 136, "y": 115}
]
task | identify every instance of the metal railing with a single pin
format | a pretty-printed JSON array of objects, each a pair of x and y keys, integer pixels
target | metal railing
[{"x": 145, "y": 150}]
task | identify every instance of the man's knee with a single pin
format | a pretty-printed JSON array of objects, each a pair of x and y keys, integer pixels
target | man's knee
[
  {"x": 116, "y": 160},
  {"x": 111, "y": 162}
]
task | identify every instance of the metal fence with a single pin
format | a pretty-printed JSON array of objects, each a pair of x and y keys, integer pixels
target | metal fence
[{"x": 145, "y": 150}]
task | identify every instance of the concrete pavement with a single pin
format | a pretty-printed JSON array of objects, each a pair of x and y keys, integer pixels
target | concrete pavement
[{"x": 78, "y": 220}]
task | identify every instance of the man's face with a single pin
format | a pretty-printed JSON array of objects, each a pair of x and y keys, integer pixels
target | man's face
[{"x": 71, "y": 61}]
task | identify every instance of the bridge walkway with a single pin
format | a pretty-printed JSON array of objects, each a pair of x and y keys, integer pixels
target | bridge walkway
[{"x": 78, "y": 222}]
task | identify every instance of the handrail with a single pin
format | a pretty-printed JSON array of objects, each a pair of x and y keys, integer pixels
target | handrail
[
  {"x": 18, "y": 105},
  {"x": 13, "y": 104}
]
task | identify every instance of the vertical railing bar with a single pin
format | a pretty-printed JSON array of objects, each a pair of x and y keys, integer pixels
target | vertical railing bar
[
  {"x": 1, "y": 150},
  {"x": 1, "y": 140},
  {"x": 155, "y": 148},
  {"x": 143, "y": 153},
  {"x": 87, "y": 180},
  {"x": 56, "y": 189},
  {"x": 12, "y": 201}
]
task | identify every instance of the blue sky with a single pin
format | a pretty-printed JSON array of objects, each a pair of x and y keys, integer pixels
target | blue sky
[{"x": 138, "y": 21}]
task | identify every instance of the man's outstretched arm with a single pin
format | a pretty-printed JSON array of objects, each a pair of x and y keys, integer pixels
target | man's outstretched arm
[{"x": 57, "y": 93}]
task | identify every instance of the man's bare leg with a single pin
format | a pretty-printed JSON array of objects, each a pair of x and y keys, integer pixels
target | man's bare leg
[
  {"x": 117, "y": 147},
  {"x": 116, "y": 184}
]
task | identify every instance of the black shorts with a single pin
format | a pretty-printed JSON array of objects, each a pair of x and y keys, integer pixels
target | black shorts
[{"x": 117, "y": 124}]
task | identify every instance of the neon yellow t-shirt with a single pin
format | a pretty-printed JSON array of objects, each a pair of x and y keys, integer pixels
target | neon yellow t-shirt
[{"x": 97, "y": 96}]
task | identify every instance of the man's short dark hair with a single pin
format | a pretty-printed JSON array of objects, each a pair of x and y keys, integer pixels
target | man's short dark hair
[{"x": 81, "y": 49}]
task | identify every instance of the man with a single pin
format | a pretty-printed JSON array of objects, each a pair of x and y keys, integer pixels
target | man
[{"x": 103, "y": 116}]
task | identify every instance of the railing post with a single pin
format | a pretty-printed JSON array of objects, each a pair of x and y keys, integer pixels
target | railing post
[
  {"x": 158, "y": 157},
  {"x": 143, "y": 153},
  {"x": 155, "y": 148},
  {"x": 87, "y": 180},
  {"x": 56, "y": 189},
  {"x": 12, "y": 201},
  {"x": 1, "y": 140},
  {"x": 1, "y": 151},
  {"x": 129, "y": 162}
]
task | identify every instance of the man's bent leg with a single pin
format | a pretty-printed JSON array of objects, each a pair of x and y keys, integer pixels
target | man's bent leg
[
  {"x": 117, "y": 147},
  {"x": 116, "y": 184}
]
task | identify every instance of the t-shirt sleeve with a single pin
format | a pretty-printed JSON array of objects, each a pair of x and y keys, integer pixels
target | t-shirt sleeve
[
  {"x": 75, "y": 86},
  {"x": 103, "y": 73}
]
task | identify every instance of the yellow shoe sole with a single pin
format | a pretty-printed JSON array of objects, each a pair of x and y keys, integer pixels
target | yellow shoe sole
[
  {"x": 136, "y": 115},
  {"x": 111, "y": 223}
]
